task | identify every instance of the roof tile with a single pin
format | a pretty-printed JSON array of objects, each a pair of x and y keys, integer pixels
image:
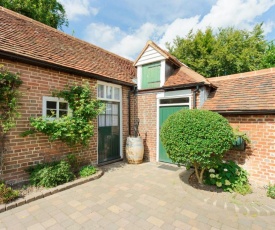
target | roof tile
[
  {"x": 23, "y": 36},
  {"x": 243, "y": 92}
]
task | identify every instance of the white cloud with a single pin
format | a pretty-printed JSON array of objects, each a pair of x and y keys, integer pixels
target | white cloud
[
  {"x": 239, "y": 13},
  {"x": 117, "y": 41},
  {"x": 76, "y": 8},
  {"x": 180, "y": 27}
]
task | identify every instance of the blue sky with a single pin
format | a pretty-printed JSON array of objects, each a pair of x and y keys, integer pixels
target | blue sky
[{"x": 124, "y": 26}]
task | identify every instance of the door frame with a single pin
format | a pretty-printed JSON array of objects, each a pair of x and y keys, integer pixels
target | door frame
[
  {"x": 120, "y": 115},
  {"x": 170, "y": 95}
]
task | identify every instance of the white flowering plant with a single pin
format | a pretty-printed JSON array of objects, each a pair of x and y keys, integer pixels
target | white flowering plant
[{"x": 228, "y": 176}]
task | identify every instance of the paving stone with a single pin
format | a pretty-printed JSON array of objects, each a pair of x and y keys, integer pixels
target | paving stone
[
  {"x": 155, "y": 221},
  {"x": 134, "y": 197}
]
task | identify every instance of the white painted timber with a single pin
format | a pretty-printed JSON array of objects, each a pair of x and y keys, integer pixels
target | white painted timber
[{"x": 149, "y": 56}]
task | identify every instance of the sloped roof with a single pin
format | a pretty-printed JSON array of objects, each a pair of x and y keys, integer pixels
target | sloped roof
[
  {"x": 30, "y": 39},
  {"x": 185, "y": 75},
  {"x": 250, "y": 91},
  {"x": 164, "y": 53}
]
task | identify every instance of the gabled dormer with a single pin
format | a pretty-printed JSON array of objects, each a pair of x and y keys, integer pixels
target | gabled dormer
[{"x": 154, "y": 66}]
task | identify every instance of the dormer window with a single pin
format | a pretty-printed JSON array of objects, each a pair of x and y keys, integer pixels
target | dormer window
[{"x": 151, "y": 75}]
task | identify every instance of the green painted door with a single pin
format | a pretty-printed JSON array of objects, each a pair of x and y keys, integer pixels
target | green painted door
[
  {"x": 109, "y": 133},
  {"x": 164, "y": 113}
]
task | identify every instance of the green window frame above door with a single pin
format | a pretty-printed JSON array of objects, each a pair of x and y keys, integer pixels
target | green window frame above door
[{"x": 151, "y": 75}]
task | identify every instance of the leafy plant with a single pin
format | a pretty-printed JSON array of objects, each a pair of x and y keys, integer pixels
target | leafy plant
[
  {"x": 271, "y": 191},
  {"x": 230, "y": 177},
  {"x": 196, "y": 137},
  {"x": 50, "y": 174},
  {"x": 7, "y": 194},
  {"x": 9, "y": 97},
  {"x": 72, "y": 129},
  {"x": 87, "y": 171},
  {"x": 243, "y": 135},
  {"x": 72, "y": 160}
]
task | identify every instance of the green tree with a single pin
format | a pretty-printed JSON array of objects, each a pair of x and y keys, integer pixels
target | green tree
[
  {"x": 268, "y": 60},
  {"x": 226, "y": 52},
  {"x": 196, "y": 137},
  {"x": 49, "y": 12}
]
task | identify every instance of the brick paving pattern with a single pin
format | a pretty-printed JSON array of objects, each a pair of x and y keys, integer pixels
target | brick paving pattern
[{"x": 132, "y": 197}]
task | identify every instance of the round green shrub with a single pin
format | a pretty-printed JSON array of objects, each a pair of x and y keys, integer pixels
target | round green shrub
[{"x": 196, "y": 137}]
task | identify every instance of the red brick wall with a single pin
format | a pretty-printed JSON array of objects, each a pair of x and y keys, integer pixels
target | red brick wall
[
  {"x": 147, "y": 114},
  {"x": 24, "y": 152},
  {"x": 259, "y": 156}
]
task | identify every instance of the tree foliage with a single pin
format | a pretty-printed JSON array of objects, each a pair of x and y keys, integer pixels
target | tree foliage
[
  {"x": 49, "y": 12},
  {"x": 72, "y": 129},
  {"x": 226, "y": 52},
  {"x": 196, "y": 137}
]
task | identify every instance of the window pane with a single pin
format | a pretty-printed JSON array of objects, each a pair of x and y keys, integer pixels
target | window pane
[
  {"x": 62, "y": 113},
  {"x": 115, "y": 109},
  {"x": 51, "y": 105},
  {"x": 101, "y": 120},
  {"x": 108, "y": 108},
  {"x": 63, "y": 105},
  {"x": 108, "y": 120},
  {"x": 109, "y": 91},
  {"x": 115, "y": 121},
  {"x": 116, "y": 94},
  {"x": 51, "y": 112},
  {"x": 100, "y": 90},
  {"x": 174, "y": 100}
]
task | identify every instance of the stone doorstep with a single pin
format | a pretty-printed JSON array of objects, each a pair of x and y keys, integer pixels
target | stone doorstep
[
  {"x": 263, "y": 210},
  {"x": 48, "y": 192}
]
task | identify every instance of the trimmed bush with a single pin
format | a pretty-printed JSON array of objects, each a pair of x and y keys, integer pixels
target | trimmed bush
[
  {"x": 7, "y": 194},
  {"x": 87, "y": 171},
  {"x": 50, "y": 174},
  {"x": 196, "y": 137}
]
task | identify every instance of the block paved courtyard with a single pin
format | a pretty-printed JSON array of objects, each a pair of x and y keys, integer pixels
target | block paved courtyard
[{"x": 146, "y": 196}]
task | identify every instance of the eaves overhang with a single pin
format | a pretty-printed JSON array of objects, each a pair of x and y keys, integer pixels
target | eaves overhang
[{"x": 44, "y": 64}]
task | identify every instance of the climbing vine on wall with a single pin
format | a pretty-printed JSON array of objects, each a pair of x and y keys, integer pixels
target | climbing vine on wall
[
  {"x": 76, "y": 128},
  {"x": 9, "y": 97}
]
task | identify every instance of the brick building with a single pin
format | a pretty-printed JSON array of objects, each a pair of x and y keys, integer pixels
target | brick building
[{"x": 149, "y": 89}]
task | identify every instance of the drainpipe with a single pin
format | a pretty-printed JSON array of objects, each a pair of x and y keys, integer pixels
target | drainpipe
[
  {"x": 133, "y": 90},
  {"x": 194, "y": 96}
]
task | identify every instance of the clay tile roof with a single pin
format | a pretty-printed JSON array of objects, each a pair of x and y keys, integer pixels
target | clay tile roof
[
  {"x": 251, "y": 91},
  {"x": 25, "y": 37},
  {"x": 185, "y": 75}
]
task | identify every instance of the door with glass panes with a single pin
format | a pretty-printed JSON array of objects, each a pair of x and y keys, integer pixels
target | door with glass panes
[{"x": 109, "y": 124}]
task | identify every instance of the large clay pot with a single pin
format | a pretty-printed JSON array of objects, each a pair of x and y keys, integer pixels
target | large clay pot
[{"x": 134, "y": 150}]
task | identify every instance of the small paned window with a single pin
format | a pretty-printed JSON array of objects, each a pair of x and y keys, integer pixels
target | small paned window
[
  {"x": 54, "y": 107},
  {"x": 108, "y": 92}
]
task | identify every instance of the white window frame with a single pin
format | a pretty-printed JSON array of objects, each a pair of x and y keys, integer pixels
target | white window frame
[
  {"x": 170, "y": 95},
  {"x": 53, "y": 99},
  {"x": 120, "y": 110},
  {"x": 113, "y": 86}
]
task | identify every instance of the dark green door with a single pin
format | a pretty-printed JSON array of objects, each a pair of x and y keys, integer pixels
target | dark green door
[
  {"x": 164, "y": 113},
  {"x": 109, "y": 133}
]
